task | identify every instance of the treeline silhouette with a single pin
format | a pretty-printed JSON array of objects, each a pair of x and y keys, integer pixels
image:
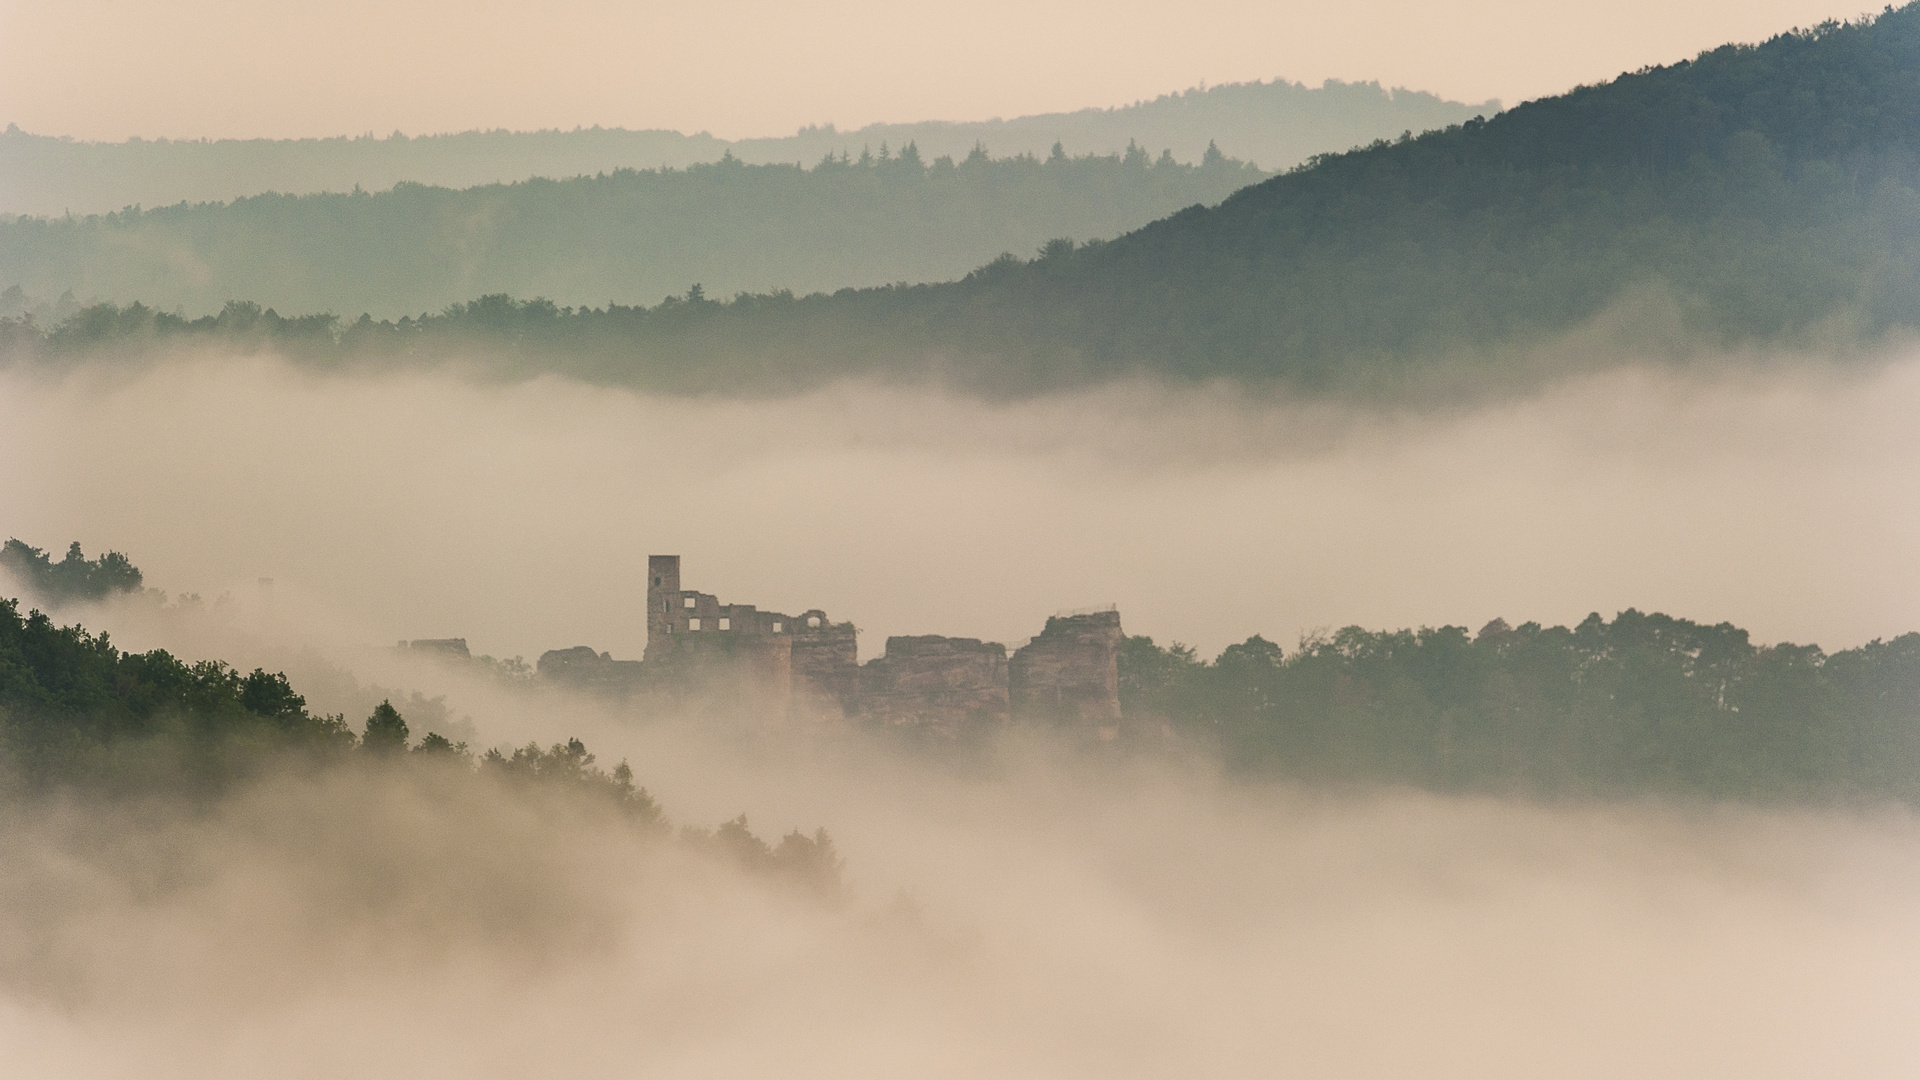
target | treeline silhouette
[
  {"x": 1645, "y": 704},
  {"x": 1761, "y": 195},
  {"x": 74, "y": 578},
  {"x": 628, "y": 235},
  {"x": 1276, "y": 124},
  {"x": 77, "y": 715}
]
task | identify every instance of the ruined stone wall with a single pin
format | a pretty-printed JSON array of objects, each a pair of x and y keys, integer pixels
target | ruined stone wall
[
  {"x": 581, "y": 668},
  {"x": 1070, "y": 674},
  {"x": 451, "y": 648},
  {"x": 937, "y": 685},
  {"x": 808, "y": 667},
  {"x": 826, "y": 666},
  {"x": 748, "y": 674},
  {"x": 663, "y": 593}
]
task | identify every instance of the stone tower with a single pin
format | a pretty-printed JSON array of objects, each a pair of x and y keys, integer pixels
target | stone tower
[{"x": 663, "y": 594}]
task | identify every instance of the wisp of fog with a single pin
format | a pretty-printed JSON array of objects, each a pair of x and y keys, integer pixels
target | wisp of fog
[
  {"x": 1044, "y": 919},
  {"x": 1035, "y": 911},
  {"x": 519, "y": 515}
]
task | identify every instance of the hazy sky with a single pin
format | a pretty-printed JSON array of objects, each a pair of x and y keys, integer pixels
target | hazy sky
[{"x": 107, "y": 69}]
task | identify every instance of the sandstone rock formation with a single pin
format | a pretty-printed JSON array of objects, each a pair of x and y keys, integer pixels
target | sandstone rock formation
[
  {"x": 941, "y": 686},
  {"x": 1070, "y": 674}
]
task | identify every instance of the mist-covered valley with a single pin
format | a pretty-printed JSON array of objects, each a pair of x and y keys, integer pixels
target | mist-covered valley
[
  {"x": 1028, "y": 908},
  {"x": 518, "y": 515},
  {"x": 1029, "y": 904},
  {"x": 1445, "y": 610},
  {"x": 1043, "y": 920}
]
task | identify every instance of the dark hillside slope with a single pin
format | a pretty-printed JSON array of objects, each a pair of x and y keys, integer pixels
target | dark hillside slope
[
  {"x": 1274, "y": 124},
  {"x": 631, "y": 236},
  {"x": 1767, "y": 188},
  {"x": 1757, "y": 195}
]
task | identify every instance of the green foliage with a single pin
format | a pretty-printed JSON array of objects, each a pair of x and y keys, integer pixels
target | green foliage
[
  {"x": 1644, "y": 704},
  {"x": 78, "y": 714},
  {"x": 74, "y": 578},
  {"x": 386, "y": 731},
  {"x": 806, "y": 862},
  {"x": 1763, "y": 194},
  {"x": 571, "y": 767},
  {"x": 436, "y": 743},
  {"x": 1276, "y": 123},
  {"x": 74, "y": 709},
  {"x": 632, "y": 235}
]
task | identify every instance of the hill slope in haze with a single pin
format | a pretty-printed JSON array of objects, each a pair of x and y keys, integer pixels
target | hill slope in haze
[
  {"x": 631, "y": 236},
  {"x": 1760, "y": 195},
  {"x": 1275, "y": 124}
]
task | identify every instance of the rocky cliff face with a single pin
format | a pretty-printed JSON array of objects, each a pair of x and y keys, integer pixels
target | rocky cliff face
[
  {"x": 1070, "y": 674},
  {"x": 826, "y": 667},
  {"x": 939, "y": 686}
]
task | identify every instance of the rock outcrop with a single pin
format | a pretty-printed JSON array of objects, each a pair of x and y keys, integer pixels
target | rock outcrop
[
  {"x": 1069, "y": 675},
  {"x": 941, "y": 686}
]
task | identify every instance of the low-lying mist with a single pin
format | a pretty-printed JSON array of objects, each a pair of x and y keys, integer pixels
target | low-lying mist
[
  {"x": 1036, "y": 917},
  {"x": 519, "y": 515},
  {"x": 1031, "y": 910}
]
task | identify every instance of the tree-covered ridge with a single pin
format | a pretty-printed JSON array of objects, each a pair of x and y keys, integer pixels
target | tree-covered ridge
[
  {"x": 77, "y": 713},
  {"x": 1764, "y": 195},
  {"x": 1644, "y": 704},
  {"x": 1276, "y": 124},
  {"x": 631, "y": 235},
  {"x": 70, "y": 701},
  {"x": 74, "y": 578}
]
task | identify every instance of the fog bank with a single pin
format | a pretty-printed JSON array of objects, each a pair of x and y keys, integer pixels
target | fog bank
[
  {"x": 1038, "y": 912},
  {"x": 518, "y": 516},
  {"x": 1044, "y": 921}
]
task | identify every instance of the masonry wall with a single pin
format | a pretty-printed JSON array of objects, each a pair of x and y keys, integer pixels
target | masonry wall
[
  {"x": 663, "y": 593},
  {"x": 826, "y": 667},
  {"x": 581, "y": 668},
  {"x": 807, "y": 667},
  {"x": 748, "y": 674}
]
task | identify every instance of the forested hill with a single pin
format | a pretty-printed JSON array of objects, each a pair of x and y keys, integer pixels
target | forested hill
[
  {"x": 631, "y": 236},
  {"x": 1275, "y": 124},
  {"x": 1760, "y": 194},
  {"x": 1757, "y": 194}
]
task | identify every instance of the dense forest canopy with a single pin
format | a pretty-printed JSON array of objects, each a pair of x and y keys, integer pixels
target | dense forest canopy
[
  {"x": 631, "y": 235},
  {"x": 1641, "y": 705},
  {"x": 74, "y": 578},
  {"x": 1646, "y": 704},
  {"x": 78, "y": 715},
  {"x": 1275, "y": 124},
  {"x": 1763, "y": 195}
]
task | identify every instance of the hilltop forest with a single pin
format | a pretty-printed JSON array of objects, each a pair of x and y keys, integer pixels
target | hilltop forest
[
  {"x": 79, "y": 716},
  {"x": 630, "y": 235},
  {"x": 1757, "y": 196},
  {"x": 1275, "y": 124},
  {"x": 1644, "y": 704}
]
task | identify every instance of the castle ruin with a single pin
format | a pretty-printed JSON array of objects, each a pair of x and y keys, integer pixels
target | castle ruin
[{"x": 806, "y": 667}]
